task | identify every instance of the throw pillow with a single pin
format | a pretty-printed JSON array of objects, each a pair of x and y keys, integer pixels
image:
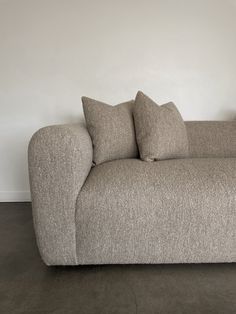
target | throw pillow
[
  {"x": 111, "y": 129},
  {"x": 160, "y": 130}
]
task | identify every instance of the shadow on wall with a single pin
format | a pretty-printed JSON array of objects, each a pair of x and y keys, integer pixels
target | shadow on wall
[
  {"x": 227, "y": 115},
  {"x": 72, "y": 119},
  {"x": 81, "y": 120},
  {"x": 223, "y": 115}
]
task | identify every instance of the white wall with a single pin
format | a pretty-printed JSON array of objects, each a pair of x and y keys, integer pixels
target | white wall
[{"x": 54, "y": 51}]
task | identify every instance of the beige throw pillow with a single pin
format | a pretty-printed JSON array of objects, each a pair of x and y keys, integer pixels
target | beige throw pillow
[
  {"x": 111, "y": 129},
  {"x": 160, "y": 130}
]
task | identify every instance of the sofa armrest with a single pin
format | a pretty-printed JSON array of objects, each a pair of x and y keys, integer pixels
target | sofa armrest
[{"x": 60, "y": 158}]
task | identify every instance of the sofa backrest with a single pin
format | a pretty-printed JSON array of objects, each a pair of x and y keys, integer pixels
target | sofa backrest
[{"x": 212, "y": 138}]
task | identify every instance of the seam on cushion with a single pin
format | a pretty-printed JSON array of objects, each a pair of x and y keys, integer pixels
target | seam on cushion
[
  {"x": 75, "y": 215},
  {"x": 75, "y": 240}
]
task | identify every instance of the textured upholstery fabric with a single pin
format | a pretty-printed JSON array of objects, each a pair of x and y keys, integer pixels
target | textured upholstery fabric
[
  {"x": 111, "y": 129},
  {"x": 212, "y": 138},
  {"x": 129, "y": 211},
  {"x": 60, "y": 159},
  {"x": 172, "y": 211},
  {"x": 160, "y": 130}
]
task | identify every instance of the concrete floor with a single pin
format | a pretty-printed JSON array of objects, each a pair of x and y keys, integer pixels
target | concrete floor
[{"x": 27, "y": 286}]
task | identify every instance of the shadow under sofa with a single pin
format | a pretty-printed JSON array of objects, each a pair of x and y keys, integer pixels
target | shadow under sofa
[{"x": 128, "y": 211}]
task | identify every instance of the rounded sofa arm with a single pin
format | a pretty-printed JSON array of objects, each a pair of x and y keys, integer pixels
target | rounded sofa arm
[{"x": 60, "y": 159}]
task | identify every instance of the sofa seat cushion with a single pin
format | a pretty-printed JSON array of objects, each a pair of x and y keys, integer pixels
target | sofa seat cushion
[{"x": 181, "y": 210}]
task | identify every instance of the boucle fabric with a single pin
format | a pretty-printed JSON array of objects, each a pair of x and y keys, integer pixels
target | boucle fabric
[
  {"x": 212, "y": 138},
  {"x": 60, "y": 159},
  {"x": 172, "y": 211},
  {"x": 160, "y": 130},
  {"x": 111, "y": 129},
  {"x": 129, "y": 211}
]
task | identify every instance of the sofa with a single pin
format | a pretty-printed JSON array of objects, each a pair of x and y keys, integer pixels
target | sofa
[{"x": 129, "y": 211}]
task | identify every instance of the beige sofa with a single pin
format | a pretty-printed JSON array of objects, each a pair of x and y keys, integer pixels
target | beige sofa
[{"x": 130, "y": 211}]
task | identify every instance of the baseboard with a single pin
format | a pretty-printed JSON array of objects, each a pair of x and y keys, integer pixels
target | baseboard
[{"x": 15, "y": 196}]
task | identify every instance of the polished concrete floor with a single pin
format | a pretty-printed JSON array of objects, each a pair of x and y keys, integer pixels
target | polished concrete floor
[{"x": 28, "y": 286}]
